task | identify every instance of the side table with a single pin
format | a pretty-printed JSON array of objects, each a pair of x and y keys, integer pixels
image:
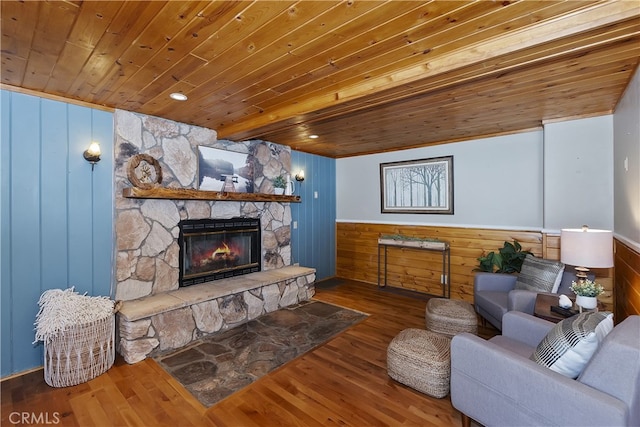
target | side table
[{"x": 543, "y": 307}]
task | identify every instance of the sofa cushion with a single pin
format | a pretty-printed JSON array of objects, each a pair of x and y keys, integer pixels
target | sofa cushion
[
  {"x": 568, "y": 277},
  {"x": 540, "y": 275},
  {"x": 493, "y": 303},
  {"x": 568, "y": 347}
]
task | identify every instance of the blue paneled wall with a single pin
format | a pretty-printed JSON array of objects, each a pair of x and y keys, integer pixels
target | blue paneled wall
[
  {"x": 56, "y": 215},
  {"x": 313, "y": 242}
]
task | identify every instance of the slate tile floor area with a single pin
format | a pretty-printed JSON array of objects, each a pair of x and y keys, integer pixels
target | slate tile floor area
[{"x": 217, "y": 366}]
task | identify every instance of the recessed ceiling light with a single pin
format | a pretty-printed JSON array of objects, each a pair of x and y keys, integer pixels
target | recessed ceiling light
[
  {"x": 313, "y": 136},
  {"x": 178, "y": 96}
]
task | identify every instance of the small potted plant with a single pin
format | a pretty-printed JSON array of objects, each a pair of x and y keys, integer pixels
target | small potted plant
[
  {"x": 279, "y": 184},
  {"x": 587, "y": 292}
]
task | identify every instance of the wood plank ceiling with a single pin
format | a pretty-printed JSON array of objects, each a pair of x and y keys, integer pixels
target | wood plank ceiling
[{"x": 366, "y": 76}]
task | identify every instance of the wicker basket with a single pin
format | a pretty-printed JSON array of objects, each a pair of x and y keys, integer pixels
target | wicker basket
[{"x": 80, "y": 353}]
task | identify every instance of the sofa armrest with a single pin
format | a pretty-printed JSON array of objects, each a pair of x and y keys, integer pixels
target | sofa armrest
[
  {"x": 525, "y": 328},
  {"x": 497, "y": 387},
  {"x": 522, "y": 300},
  {"x": 493, "y": 282}
]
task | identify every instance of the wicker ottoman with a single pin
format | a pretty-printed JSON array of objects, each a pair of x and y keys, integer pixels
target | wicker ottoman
[
  {"x": 450, "y": 317},
  {"x": 421, "y": 360}
]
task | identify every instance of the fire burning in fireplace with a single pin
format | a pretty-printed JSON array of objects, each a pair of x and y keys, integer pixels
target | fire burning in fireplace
[
  {"x": 213, "y": 249},
  {"x": 221, "y": 257},
  {"x": 225, "y": 251}
]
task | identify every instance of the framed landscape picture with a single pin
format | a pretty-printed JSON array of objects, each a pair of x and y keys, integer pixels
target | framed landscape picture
[
  {"x": 224, "y": 171},
  {"x": 417, "y": 186}
]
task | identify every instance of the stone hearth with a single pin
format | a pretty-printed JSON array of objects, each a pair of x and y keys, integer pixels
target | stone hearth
[
  {"x": 217, "y": 366},
  {"x": 158, "y": 323}
]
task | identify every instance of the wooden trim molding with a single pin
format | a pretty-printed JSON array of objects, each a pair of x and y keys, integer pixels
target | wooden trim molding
[
  {"x": 44, "y": 95},
  {"x": 627, "y": 280}
]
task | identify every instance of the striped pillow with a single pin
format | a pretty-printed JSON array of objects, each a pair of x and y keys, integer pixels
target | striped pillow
[
  {"x": 568, "y": 347},
  {"x": 540, "y": 275}
]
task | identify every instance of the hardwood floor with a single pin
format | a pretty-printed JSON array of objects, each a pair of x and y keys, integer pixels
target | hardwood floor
[{"x": 343, "y": 382}]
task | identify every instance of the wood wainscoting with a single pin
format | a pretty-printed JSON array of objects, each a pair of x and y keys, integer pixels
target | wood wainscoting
[
  {"x": 357, "y": 256},
  {"x": 627, "y": 279}
]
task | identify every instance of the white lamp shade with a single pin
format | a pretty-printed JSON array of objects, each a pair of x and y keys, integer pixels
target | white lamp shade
[{"x": 586, "y": 247}]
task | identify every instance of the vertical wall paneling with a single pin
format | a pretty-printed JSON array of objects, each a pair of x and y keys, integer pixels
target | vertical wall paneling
[
  {"x": 54, "y": 223},
  {"x": 56, "y": 215},
  {"x": 25, "y": 244},
  {"x": 102, "y": 208},
  {"x": 297, "y": 209},
  {"x": 299, "y": 212},
  {"x": 329, "y": 214},
  {"x": 313, "y": 241},
  {"x": 80, "y": 196},
  {"x": 5, "y": 236},
  {"x": 627, "y": 278}
]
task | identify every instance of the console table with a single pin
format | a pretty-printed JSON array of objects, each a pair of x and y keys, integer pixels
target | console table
[{"x": 426, "y": 245}]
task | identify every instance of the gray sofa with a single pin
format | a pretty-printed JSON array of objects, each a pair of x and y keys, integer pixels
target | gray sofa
[
  {"x": 494, "y": 295},
  {"x": 495, "y": 383}
]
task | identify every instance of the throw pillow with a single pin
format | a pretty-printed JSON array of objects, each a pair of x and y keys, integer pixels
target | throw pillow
[
  {"x": 540, "y": 275},
  {"x": 568, "y": 347}
]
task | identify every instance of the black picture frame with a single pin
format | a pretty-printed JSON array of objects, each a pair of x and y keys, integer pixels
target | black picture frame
[{"x": 423, "y": 186}]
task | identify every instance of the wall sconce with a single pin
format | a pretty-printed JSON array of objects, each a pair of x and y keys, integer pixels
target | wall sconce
[
  {"x": 300, "y": 176},
  {"x": 92, "y": 154}
]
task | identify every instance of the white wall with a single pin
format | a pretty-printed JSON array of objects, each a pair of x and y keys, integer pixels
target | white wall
[
  {"x": 626, "y": 151},
  {"x": 497, "y": 183},
  {"x": 578, "y": 171},
  {"x": 558, "y": 177}
]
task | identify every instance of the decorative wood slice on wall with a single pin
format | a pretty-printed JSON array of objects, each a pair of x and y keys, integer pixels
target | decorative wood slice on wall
[{"x": 144, "y": 171}]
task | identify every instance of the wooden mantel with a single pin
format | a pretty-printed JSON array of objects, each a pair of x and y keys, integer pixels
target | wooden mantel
[{"x": 191, "y": 194}]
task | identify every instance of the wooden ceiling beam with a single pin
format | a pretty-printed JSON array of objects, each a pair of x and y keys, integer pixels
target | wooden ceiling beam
[
  {"x": 576, "y": 48},
  {"x": 459, "y": 28},
  {"x": 598, "y": 51},
  {"x": 599, "y": 15}
]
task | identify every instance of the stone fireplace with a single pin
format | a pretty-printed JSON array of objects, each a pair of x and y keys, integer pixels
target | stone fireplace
[
  {"x": 147, "y": 230},
  {"x": 158, "y": 314}
]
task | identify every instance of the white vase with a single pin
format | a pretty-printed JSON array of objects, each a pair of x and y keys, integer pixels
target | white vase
[
  {"x": 278, "y": 191},
  {"x": 586, "y": 302}
]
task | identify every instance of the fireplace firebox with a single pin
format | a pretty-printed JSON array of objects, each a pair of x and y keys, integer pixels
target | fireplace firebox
[{"x": 212, "y": 249}]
